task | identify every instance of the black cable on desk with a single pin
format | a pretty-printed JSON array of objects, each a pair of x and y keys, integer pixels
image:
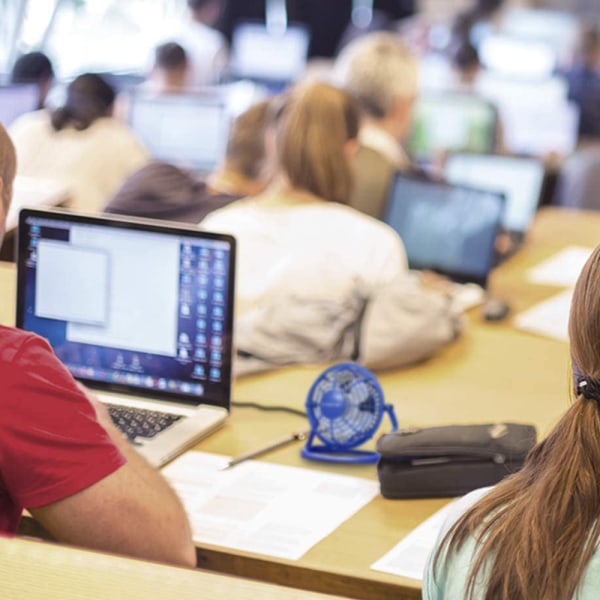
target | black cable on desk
[{"x": 266, "y": 408}]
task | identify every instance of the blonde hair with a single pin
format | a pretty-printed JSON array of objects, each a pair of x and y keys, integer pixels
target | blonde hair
[
  {"x": 245, "y": 151},
  {"x": 8, "y": 166},
  {"x": 378, "y": 69},
  {"x": 314, "y": 123}
]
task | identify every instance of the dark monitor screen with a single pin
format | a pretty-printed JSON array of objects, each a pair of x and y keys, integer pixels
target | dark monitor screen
[
  {"x": 135, "y": 306},
  {"x": 452, "y": 122},
  {"x": 446, "y": 228}
]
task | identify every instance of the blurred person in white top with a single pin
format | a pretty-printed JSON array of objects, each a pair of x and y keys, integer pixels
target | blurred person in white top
[
  {"x": 80, "y": 144},
  {"x": 206, "y": 47},
  {"x": 308, "y": 264}
]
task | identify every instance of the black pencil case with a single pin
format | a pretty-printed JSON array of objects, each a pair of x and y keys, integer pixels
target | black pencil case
[{"x": 451, "y": 460}]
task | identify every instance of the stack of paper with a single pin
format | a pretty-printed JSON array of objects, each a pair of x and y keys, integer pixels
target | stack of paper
[
  {"x": 551, "y": 317},
  {"x": 562, "y": 269},
  {"x": 264, "y": 508}
]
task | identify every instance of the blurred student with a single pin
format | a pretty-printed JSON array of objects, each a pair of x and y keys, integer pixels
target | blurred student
[
  {"x": 382, "y": 73},
  {"x": 205, "y": 46},
  {"x": 316, "y": 279},
  {"x": 584, "y": 82},
  {"x": 536, "y": 534},
  {"x": 35, "y": 68},
  {"x": 79, "y": 144},
  {"x": 466, "y": 66},
  {"x": 163, "y": 191},
  {"x": 170, "y": 70},
  {"x": 62, "y": 458}
]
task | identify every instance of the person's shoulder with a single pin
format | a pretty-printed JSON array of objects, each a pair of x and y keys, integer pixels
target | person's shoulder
[
  {"x": 197, "y": 34},
  {"x": 37, "y": 119},
  {"x": 17, "y": 345},
  {"x": 358, "y": 219},
  {"x": 111, "y": 125}
]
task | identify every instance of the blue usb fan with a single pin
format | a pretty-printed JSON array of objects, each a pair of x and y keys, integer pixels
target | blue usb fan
[{"x": 345, "y": 407}]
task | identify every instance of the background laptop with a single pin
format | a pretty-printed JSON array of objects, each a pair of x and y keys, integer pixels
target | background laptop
[
  {"x": 519, "y": 178},
  {"x": 446, "y": 228},
  {"x": 518, "y": 57},
  {"x": 188, "y": 130},
  {"x": 141, "y": 312},
  {"x": 270, "y": 55},
  {"x": 451, "y": 122},
  {"x": 17, "y": 99}
]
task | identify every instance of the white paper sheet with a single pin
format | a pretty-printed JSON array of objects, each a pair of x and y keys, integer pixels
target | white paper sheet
[
  {"x": 409, "y": 557},
  {"x": 549, "y": 318},
  {"x": 562, "y": 269},
  {"x": 264, "y": 508}
]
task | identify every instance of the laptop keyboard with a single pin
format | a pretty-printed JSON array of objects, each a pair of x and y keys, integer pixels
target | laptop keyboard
[{"x": 139, "y": 422}]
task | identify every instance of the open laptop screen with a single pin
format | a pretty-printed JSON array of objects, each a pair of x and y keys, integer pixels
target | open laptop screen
[
  {"x": 517, "y": 57},
  {"x": 260, "y": 53},
  {"x": 457, "y": 122},
  {"x": 137, "y": 307},
  {"x": 520, "y": 179},
  {"x": 189, "y": 130},
  {"x": 446, "y": 228}
]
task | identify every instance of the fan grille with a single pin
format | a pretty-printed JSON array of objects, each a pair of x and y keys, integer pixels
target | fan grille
[{"x": 347, "y": 406}]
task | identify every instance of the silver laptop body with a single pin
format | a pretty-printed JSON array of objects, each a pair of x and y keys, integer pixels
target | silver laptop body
[{"x": 141, "y": 312}]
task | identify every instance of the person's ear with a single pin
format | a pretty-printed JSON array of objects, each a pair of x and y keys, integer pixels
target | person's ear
[
  {"x": 351, "y": 148},
  {"x": 403, "y": 113}
]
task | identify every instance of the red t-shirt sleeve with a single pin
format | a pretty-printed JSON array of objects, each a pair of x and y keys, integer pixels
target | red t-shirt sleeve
[{"x": 51, "y": 445}]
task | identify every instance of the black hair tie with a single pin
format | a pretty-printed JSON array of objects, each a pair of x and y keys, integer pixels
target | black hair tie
[{"x": 589, "y": 388}]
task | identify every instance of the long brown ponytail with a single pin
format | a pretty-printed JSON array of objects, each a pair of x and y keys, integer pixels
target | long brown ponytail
[
  {"x": 315, "y": 122},
  {"x": 537, "y": 530}
]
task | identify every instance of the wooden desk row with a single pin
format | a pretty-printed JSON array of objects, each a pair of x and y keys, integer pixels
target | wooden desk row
[
  {"x": 494, "y": 373},
  {"x": 43, "y": 571}
]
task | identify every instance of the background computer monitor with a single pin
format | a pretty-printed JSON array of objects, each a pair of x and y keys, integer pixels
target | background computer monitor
[
  {"x": 559, "y": 28},
  {"x": 517, "y": 57},
  {"x": 189, "y": 130},
  {"x": 446, "y": 228},
  {"x": 452, "y": 122},
  {"x": 536, "y": 117},
  {"x": 269, "y": 55},
  {"x": 17, "y": 99},
  {"x": 519, "y": 178}
]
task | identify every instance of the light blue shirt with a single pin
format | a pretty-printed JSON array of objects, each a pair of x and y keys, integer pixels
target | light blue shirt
[{"x": 451, "y": 577}]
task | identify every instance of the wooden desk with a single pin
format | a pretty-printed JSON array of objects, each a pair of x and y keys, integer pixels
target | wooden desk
[
  {"x": 43, "y": 571},
  {"x": 494, "y": 373}
]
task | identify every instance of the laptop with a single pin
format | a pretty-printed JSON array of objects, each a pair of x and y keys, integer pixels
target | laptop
[
  {"x": 518, "y": 57},
  {"x": 273, "y": 56},
  {"x": 519, "y": 178},
  {"x": 141, "y": 312},
  {"x": 451, "y": 122},
  {"x": 17, "y": 99},
  {"x": 188, "y": 130},
  {"x": 559, "y": 28},
  {"x": 445, "y": 228}
]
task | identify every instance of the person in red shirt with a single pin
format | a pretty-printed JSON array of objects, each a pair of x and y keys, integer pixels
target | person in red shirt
[{"x": 63, "y": 459}]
